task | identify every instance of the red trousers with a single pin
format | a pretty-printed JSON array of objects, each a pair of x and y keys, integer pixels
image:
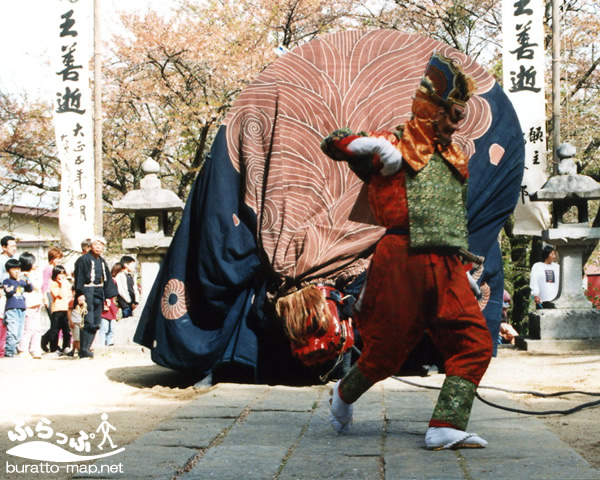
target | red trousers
[
  {"x": 409, "y": 292},
  {"x": 2, "y": 337}
]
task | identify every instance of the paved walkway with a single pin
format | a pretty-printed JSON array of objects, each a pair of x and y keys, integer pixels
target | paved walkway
[{"x": 246, "y": 432}]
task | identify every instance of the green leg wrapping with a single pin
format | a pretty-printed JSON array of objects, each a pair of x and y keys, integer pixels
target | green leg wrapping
[
  {"x": 353, "y": 385},
  {"x": 455, "y": 402}
]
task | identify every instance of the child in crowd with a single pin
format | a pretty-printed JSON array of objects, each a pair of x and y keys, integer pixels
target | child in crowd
[
  {"x": 30, "y": 341},
  {"x": 76, "y": 314},
  {"x": 128, "y": 293},
  {"x": 55, "y": 256},
  {"x": 60, "y": 289},
  {"x": 14, "y": 313},
  {"x": 109, "y": 313}
]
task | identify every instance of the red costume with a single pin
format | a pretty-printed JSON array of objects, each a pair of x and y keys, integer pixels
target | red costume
[
  {"x": 408, "y": 292},
  {"x": 416, "y": 281}
]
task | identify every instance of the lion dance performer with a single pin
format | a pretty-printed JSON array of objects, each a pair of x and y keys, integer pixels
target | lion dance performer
[{"x": 417, "y": 184}]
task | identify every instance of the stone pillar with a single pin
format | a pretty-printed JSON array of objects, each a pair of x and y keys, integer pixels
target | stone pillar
[
  {"x": 571, "y": 289},
  {"x": 570, "y": 253},
  {"x": 149, "y": 267}
]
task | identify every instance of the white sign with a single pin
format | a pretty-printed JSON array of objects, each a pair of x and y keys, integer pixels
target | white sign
[
  {"x": 73, "y": 25},
  {"x": 52, "y": 451},
  {"x": 523, "y": 64}
]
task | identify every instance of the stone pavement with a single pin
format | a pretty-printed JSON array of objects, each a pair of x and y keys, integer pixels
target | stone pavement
[{"x": 247, "y": 432}]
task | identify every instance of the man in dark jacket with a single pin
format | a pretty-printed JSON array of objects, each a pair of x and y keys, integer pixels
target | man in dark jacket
[{"x": 93, "y": 286}]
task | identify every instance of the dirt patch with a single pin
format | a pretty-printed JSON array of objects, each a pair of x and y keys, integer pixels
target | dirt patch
[{"x": 73, "y": 394}]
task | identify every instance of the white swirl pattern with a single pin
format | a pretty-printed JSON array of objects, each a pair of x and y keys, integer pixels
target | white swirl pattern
[{"x": 363, "y": 80}]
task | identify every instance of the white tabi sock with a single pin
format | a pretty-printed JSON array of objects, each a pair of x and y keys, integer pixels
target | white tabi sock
[
  {"x": 340, "y": 415},
  {"x": 445, "y": 438}
]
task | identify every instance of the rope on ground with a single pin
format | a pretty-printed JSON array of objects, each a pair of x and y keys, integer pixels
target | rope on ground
[
  {"x": 522, "y": 392},
  {"x": 546, "y": 412}
]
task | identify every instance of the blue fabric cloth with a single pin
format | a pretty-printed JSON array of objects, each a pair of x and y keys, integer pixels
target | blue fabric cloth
[
  {"x": 107, "y": 332},
  {"x": 214, "y": 257},
  {"x": 493, "y": 194}
]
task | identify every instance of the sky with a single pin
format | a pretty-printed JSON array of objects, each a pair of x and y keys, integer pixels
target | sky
[{"x": 26, "y": 37}]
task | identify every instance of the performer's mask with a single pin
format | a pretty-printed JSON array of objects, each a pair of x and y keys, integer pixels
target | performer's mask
[{"x": 317, "y": 330}]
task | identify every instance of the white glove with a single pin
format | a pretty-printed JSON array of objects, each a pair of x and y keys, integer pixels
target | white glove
[{"x": 390, "y": 157}]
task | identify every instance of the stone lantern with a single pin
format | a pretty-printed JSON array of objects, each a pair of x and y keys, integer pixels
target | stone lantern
[
  {"x": 151, "y": 206},
  {"x": 573, "y": 318}
]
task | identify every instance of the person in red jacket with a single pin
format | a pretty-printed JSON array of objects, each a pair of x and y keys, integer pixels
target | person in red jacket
[
  {"x": 417, "y": 186},
  {"x": 110, "y": 313}
]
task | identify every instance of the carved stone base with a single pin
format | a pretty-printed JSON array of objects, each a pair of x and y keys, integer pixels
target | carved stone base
[
  {"x": 553, "y": 324},
  {"x": 558, "y": 347}
]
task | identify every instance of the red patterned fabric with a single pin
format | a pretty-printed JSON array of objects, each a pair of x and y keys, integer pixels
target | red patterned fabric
[
  {"x": 417, "y": 145},
  {"x": 312, "y": 216}
]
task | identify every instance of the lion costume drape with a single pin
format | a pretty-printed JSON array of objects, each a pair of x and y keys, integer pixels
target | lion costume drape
[{"x": 269, "y": 211}]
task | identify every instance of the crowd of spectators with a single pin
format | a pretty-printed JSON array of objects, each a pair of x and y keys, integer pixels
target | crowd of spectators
[{"x": 60, "y": 311}]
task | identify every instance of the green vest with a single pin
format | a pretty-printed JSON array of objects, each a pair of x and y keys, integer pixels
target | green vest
[{"x": 437, "y": 201}]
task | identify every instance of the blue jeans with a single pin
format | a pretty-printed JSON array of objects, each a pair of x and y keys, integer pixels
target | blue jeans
[
  {"x": 14, "y": 319},
  {"x": 106, "y": 332}
]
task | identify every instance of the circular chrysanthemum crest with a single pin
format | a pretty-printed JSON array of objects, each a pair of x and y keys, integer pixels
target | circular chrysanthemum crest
[{"x": 174, "y": 304}]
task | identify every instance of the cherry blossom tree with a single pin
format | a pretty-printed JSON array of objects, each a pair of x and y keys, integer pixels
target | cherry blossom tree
[{"x": 27, "y": 146}]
